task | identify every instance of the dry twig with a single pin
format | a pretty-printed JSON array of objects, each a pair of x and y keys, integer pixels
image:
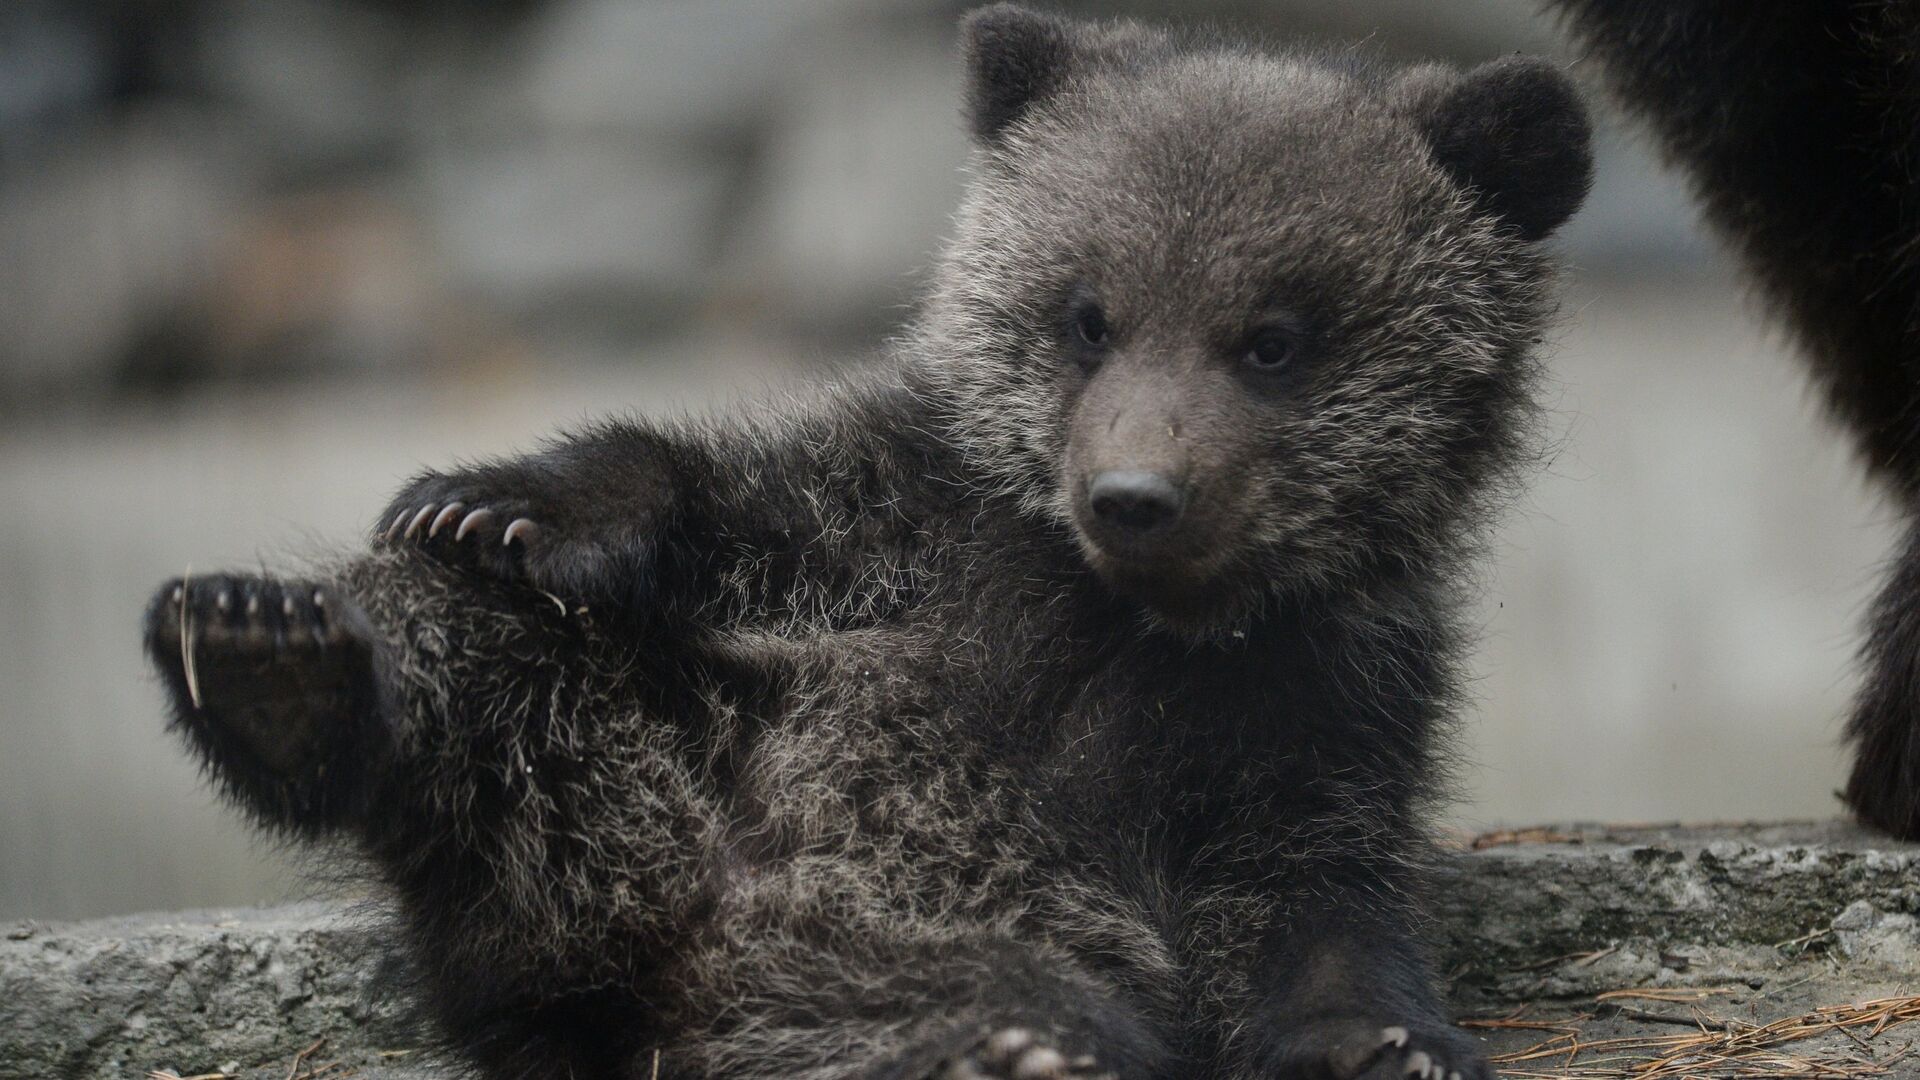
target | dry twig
[{"x": 1722, "y": 1049}]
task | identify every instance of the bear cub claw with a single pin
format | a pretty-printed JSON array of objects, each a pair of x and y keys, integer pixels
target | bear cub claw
[
  {"x": 1365, "y": 1050},
  {"x": 522, "y": 527},
  {"x": 475, "y": 521},
  {"x": 481, "y": 522},
  {"x": 1018, "y": 1054},
  {"x": 264, "y": 662}
]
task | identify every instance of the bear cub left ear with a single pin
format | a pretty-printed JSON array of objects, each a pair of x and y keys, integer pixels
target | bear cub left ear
[{"x": 1515, "y": 133}]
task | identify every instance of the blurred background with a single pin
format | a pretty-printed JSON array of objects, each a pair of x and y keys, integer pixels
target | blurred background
[{"x": 261, "y": 259}]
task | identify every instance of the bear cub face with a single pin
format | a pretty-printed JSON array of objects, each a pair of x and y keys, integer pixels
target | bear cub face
[{"x": 1247, "y": 322}]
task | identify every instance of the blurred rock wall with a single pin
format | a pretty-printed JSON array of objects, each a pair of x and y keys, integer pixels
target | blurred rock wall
[{"x": 219, "y": 189}]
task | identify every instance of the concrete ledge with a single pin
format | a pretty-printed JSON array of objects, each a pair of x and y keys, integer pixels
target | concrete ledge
[{"x": 1701, "y": 922}]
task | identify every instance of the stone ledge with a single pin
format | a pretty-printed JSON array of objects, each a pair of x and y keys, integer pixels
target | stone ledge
[
  {"x": 1520, "y": 900},
  {"x": 193, "y": 992},
  {"x": 1759, "y": 920}
]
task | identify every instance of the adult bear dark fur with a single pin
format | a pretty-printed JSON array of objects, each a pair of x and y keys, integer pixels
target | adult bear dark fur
[
  {"x": 1800, "y": 125},
  {"x": 1061, "y": 700}
]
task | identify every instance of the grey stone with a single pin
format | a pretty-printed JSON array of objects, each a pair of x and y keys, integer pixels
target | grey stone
[
  {"x": 1767, "y": 920},
  {"x": 192, "y": 991},
  {"x": 1648, "y": 890}
]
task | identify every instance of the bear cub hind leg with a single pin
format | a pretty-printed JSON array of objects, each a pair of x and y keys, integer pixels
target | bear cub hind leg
[{"x": 275, "y": 685}]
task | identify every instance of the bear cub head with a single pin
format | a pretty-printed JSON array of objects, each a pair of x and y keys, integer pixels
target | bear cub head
[{"x": 1247, "y": 322}]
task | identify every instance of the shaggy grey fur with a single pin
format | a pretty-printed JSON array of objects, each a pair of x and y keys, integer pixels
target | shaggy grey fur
[{"x": 855, "y": 738}]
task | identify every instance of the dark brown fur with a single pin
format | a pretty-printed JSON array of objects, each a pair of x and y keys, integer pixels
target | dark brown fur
[{"x": 1799, "y": 124}]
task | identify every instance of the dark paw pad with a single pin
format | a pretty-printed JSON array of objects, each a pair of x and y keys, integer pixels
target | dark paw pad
[
  {"x": 1019, "y": 1054},
  {"x": 262, "y": 668}
]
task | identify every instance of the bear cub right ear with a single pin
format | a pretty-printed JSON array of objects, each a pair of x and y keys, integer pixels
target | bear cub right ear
[
  {"x": 1515, "y": 134},
  {"x": 1015, "y": 58}
]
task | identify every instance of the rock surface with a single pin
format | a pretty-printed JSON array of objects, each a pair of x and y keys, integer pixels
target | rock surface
[
  {"x": 194, "y": 992},
  {"x": 1664, "y": 939}
]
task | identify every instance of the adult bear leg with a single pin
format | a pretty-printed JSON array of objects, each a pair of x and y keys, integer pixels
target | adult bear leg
[
  {"x": 1884, "y": 788},
  {"x": 1795, "y": 121}
]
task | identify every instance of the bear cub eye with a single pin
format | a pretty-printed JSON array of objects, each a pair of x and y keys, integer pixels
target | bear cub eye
[
  {"x": 1273, "y": 349},
  {"x": 1085, "y": 331},
  {"x": 1091, "y": 324},
  {"x": 1277, "y": 343}
]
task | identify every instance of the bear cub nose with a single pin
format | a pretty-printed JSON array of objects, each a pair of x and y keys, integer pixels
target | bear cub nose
[{"x": 1136, "y": 501}]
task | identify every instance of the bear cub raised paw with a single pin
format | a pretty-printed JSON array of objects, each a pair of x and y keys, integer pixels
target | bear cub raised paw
[{"x": 1060, "y": 700}]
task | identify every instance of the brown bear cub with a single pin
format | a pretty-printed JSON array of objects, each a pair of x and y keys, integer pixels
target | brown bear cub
[{"x": 1061, "y": 701}]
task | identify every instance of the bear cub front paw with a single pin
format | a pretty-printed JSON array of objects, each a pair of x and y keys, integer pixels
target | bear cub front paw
[
  {"x": 519, "y": 524},
  {"x": 472, "y": 518}
]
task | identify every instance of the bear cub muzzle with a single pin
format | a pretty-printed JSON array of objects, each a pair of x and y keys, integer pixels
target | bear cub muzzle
[{"x": 1157, "y": 499}]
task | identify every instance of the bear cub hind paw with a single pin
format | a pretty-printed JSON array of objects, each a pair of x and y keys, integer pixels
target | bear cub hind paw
[
  {"x": 260, "y": 665},
  {"x": 1365, "y": 1049},
  {"x": 1015, "y": 1053}
]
